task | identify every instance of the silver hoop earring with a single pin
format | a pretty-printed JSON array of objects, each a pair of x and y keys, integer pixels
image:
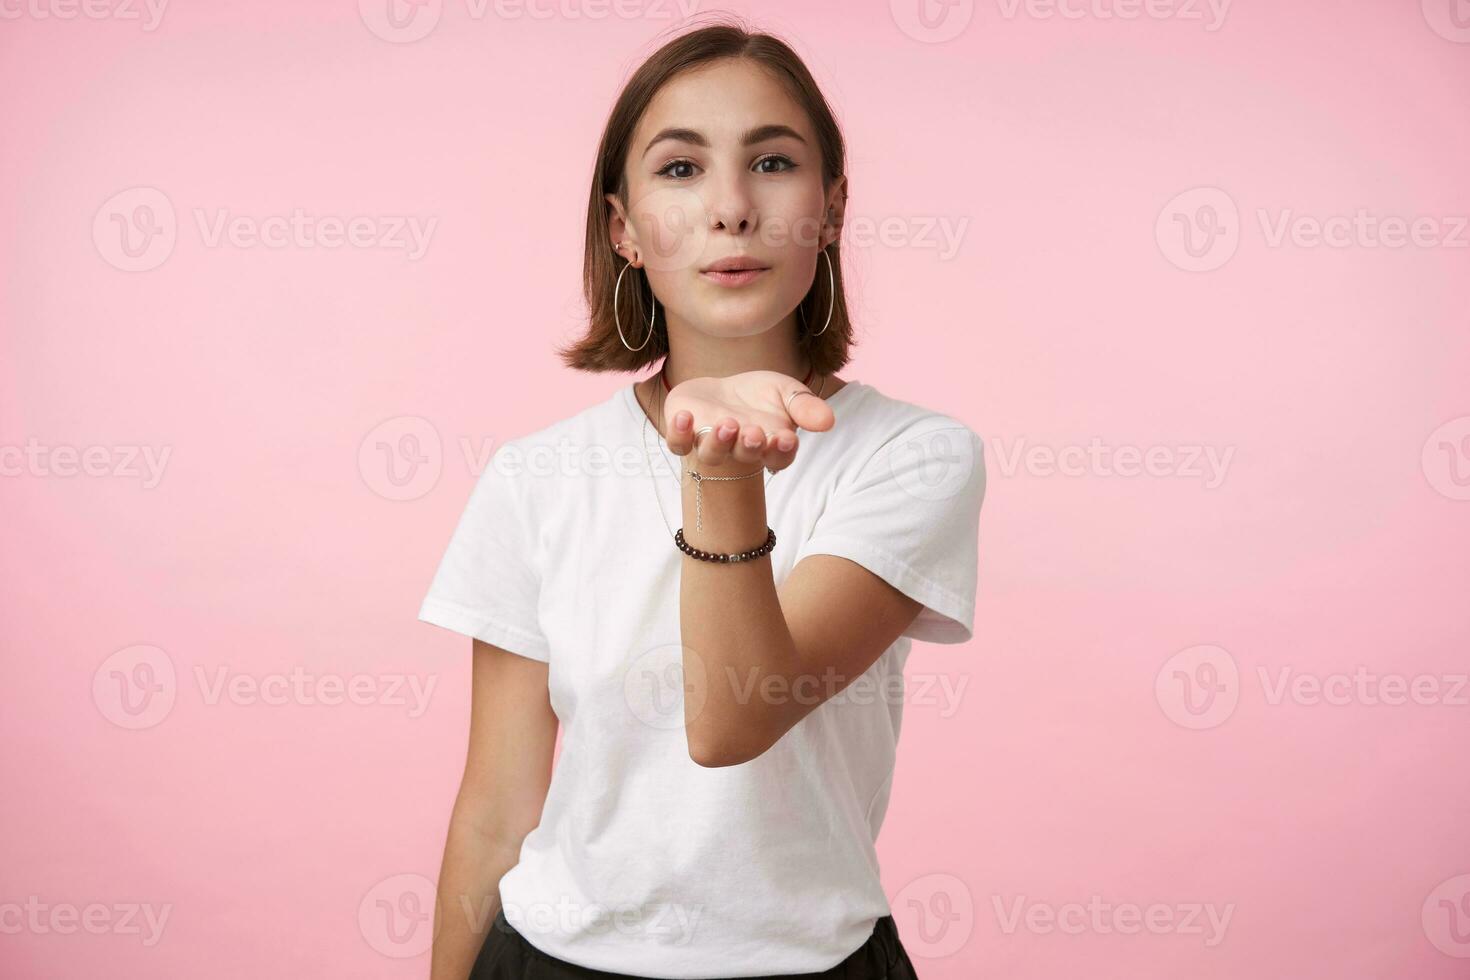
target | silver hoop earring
[
  {"x": 619, "y": 321},
  {"x": 831, "y": 289}
]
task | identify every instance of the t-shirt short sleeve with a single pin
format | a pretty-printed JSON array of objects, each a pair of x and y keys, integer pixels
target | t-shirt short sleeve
[
  {"x": 487, "y": 586},
  {"x": 911, "y": 516}
]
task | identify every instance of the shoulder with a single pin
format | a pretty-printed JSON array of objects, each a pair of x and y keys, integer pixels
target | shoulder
[
  {"x": 883, "y": 429},
  {"x": 890, "y": 411},
  {"x": 546, "y": 450}
]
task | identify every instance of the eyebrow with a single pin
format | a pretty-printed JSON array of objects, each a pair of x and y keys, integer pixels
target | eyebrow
[{"x": 759, "y": 134}]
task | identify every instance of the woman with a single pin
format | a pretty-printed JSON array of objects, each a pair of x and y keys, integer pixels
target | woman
[{"x": 717, "y": 618}]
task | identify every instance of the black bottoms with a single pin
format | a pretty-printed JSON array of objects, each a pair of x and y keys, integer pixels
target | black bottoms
[{"x": 507, "y": 955}]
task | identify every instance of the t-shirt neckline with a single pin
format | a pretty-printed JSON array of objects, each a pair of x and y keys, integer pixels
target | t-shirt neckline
[{"x": 630, "y": 399}]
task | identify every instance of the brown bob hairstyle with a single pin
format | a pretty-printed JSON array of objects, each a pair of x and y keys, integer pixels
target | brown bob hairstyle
[{"x": 600, "y": 349}]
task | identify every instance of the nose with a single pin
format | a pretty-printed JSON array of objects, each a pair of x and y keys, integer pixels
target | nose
[{"x": 730, "y": 205}]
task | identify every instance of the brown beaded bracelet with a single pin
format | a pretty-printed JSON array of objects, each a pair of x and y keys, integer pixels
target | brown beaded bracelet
[{"x": 716, "y": 556}]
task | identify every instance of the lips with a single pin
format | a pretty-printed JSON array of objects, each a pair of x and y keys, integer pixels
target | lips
[
  {"x": 734, "y": 277},
  {"x": 734, "y": 264}
]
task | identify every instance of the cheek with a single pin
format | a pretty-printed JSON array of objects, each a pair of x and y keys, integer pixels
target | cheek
[
  {"x": 673, "y": 290},
  {"x": 795, "y": 278},
  {"x": 791, "y": 220},
  {"x": 672, "y": 229}
]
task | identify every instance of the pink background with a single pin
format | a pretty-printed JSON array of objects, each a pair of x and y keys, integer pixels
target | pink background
[{"x": 1081, "y": 755}]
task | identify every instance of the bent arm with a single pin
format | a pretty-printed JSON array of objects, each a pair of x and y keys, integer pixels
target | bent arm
[
  {"x": 507, "y": 773},
  {"x": 756, "y": 661}
]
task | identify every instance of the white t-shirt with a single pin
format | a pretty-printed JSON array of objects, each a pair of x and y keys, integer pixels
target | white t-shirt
[{"x": 644, "y": 862}]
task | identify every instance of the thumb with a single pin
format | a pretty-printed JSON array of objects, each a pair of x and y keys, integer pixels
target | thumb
[{"x": 806, "y": 409}]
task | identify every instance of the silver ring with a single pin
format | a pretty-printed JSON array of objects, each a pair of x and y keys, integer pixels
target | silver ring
[
  {"x": 791, "y": 397},
  {"x": 701, "y": 431}
]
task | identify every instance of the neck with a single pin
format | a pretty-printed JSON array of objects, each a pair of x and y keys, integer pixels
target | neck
[{"x": 693, "y": 354}]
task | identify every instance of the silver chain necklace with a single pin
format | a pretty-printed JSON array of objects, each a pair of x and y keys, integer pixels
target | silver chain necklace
[{"x": 653, "y": 481}]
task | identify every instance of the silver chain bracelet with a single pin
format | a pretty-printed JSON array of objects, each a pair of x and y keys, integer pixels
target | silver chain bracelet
[{"x": 699, "y": 479}]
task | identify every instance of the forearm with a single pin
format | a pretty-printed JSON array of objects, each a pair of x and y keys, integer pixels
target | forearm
[
  {"x": 468, "y": 897},
  {"x": 734, "y": 633}
]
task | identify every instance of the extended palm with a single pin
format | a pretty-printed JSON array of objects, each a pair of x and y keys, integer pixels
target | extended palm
[{"x": 743, "y": 408}]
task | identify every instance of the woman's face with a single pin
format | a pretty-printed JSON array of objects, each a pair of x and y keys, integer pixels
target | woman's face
[{"x": 724, "y": 165}]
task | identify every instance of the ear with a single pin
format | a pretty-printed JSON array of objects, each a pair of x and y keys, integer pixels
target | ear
[
  {"x": 619, "y": 231},
  {"x": 834, "y": 213}
]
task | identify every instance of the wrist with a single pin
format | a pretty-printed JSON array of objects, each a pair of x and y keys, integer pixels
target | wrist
[
  {"x": 730, "y": 467},
  {"x": 724, "y": 511}
]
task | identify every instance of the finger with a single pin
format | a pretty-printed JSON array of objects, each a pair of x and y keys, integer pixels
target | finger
[
  {"x": 781, "y": 450},
  {"x": 750, "y": 447},
  {"x": 714, "y": 447},
  {"x": 681, "y": 433},
  {"x": 808, "y": 411}
]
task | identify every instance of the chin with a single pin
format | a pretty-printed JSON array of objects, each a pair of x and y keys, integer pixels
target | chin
[
  {"x": 740, "y": 313},
  {"x": 736, "y": 323},
  {"x": 722, "y": 314}
]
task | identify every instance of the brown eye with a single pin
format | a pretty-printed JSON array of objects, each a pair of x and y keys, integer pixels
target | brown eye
[
  {"x": 664, "y": 170},
  {"x": 775, "y": 159}
]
